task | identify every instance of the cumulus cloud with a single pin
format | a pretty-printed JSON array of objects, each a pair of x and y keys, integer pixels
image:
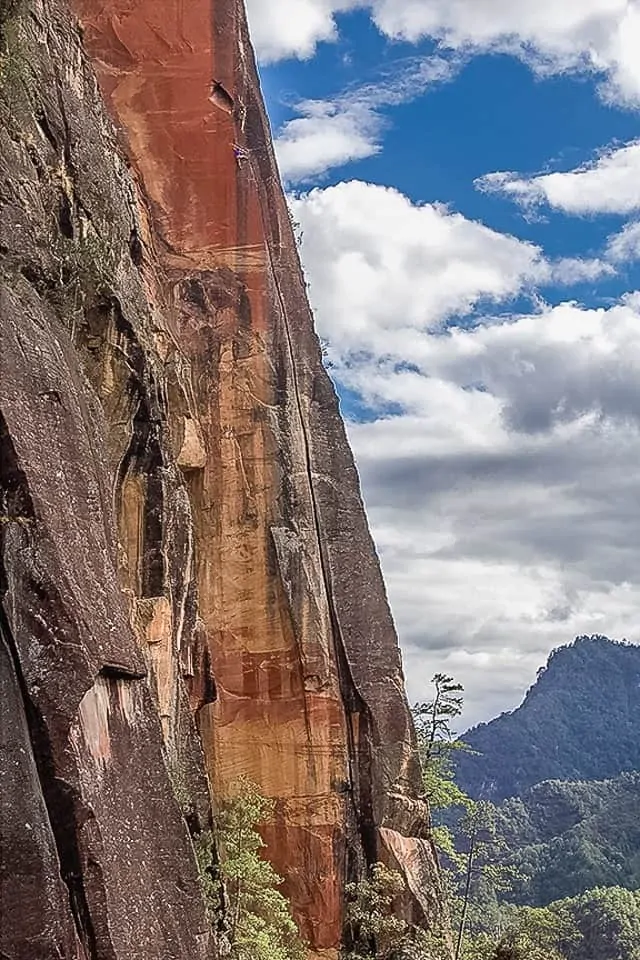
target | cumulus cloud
[
  {"x": 325, "y": 135},
  {"x": 330, "y": 133},
  {"x": 293, "y": 28},
  {"x": 609, "y": 184},
  {"x": 625, "y": 246},
  {"x": 500, "y": 466},
  {"x": 370, "y": 247},
  {"x": 599, "y": 36}
]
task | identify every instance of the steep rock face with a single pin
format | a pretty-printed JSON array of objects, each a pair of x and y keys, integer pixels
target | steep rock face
[{"x": 179, "y": 501}]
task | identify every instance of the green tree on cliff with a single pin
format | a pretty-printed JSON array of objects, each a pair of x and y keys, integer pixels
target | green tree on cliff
[
  {"x": 260, "y": 924},
  {"x": 371, "y": 925},
  {"x": 437, "y": 742}
]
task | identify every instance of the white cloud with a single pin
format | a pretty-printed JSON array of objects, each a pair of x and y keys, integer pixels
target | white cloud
[
  {"x": 330, "y": 133},
  {"x": 625, "y": 246},
  {"x": 371, "y": 248},
  {"x": 293, "y": 28},
  {"x": 506, "y": 515},
  {"x": 569, "y": 270},
  {"x": 600, "y": 36},
  {"x": 610, "y": 184},
  {"x": 503, "y": 490},
  {"x": 326, "y": 135}
]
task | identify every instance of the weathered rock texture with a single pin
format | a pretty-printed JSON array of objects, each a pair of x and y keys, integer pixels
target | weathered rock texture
[{"x": 189, "y": 588}]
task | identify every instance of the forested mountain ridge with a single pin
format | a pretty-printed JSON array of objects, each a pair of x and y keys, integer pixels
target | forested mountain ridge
[
  {"x": 554, "y": 873},
  {"x": 579, "y": 721},
  {"x": 569, "y": 837}
]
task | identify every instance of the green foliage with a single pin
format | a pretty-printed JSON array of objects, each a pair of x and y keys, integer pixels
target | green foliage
[
  {"x": 536, "y": 933},
  {"x": 13, "y": 62},
  {"x": 479, "y": 836},
  {"x": 601, "y": 924},
  {"x": 584, "y": 702},
  {"x": 261, "y": 924},
  {"x": 480, "y": 872},
  {"x": 437, "y": 744},
  {"x": 372, "y": 927},
  {"x": 566, "y": 837},
  {"x": 608, "y": 920},
  {"x": 433, "y": 719},
  {"x": 209, "y": 882},
  {"x": 558, "y": 837}
]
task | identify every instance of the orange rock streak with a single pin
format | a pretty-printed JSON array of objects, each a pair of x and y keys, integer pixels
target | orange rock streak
[{"x": 174, "y": 76}]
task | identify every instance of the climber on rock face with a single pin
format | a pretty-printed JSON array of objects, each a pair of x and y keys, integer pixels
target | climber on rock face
[{"x": 240, "y": 153}]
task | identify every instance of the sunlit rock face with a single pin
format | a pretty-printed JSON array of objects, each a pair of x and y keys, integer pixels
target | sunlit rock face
[{"x": 189, "y": 588}]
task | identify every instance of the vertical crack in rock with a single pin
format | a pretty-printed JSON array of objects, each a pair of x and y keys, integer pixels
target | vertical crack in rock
[
  {"x": 16, "y": 508},
  {"x": 359, "y": 746},
  {"x": 142, "y": 505}
]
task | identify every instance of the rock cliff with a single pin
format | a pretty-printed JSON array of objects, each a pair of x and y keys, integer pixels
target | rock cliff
[{"x": 189, "y": 590}]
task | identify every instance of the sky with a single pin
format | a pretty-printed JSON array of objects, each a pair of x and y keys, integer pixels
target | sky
[{"x": 465, "y": 175}]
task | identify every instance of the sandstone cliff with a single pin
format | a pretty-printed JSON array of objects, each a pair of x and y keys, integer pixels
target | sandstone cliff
[{"x": 188, "y": 587}]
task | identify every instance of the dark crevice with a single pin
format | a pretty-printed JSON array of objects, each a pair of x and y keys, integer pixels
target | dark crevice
[
  {"x": 65, "y": 218},
  {"x": 15, "y": 499},
  {"x": 43, "y": 123},
  {"x": 60, "y": 800},
  {"x": 202, "y": 685},
  {"x": 144, "y": 459},
  {"x": 192, "y": 291},
  {"x": 36, "y": 277},
  {"x": 116, "y": 671},
  {"x": 210, "y": 692},
  {"x": 136, "y": 251},
  {"x": 360, "y": 747},
  {"x": 104, "y": 310},
  {"x": 221, "y": 97}
]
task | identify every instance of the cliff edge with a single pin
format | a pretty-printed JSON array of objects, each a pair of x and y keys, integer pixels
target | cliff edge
[{"x": 189, "y": 590}]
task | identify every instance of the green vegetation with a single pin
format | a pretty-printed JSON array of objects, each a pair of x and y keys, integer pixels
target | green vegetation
[
  {"x": 12, "y": 55},
  {"x": 517, "y": 871},
  {"x": 370, "y": 924},
  {"x": 260, "y": 924},
  {"x": 372, "y": 928},
  {"x": 208, "y": 872},
  {"x": 585, "y": 702},
  {"x": 568, "y": 837},
  {"x": 437, "y": 744},
  {"x": 602, "y": 924},
  {"x": 608, "y": 921}
]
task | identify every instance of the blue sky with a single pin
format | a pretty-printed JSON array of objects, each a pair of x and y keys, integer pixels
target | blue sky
[{"x": 466, "y": 175}]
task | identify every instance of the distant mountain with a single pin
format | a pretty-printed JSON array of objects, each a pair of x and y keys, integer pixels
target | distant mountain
[
  {"x": 569, "y": 837},
  {"x": 579, "y": 721}
]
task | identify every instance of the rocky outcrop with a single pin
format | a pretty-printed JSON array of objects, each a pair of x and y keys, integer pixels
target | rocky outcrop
[{"x": 189, "y": 588}]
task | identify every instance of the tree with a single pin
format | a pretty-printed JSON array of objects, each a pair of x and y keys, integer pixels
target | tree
[
  {"x": 374, "y": 930},
  {"x": 609, "y": 920},
  {"x": 261, "y": 926},
  {"x": 437, "y": 744},
  {"x": 535, "y": 933},
  {"x": 484, "y": 872},
  {"x": 371, "y": 926}
]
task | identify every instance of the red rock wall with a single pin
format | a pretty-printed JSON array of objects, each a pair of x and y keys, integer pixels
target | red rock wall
[{"x": 225, "y": 484}]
